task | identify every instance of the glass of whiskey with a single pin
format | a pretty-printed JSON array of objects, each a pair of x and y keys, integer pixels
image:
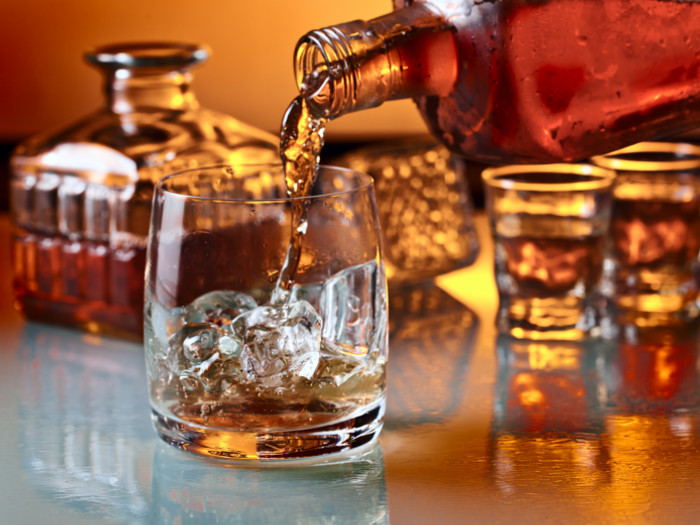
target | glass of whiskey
[
  {"x": 549, "y": 224},
  {"x": 266, "y": 330},
  {"x": 652, "y": 258}
]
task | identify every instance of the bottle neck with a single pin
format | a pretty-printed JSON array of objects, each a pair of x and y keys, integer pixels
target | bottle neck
[
  {"x": 358, "y": 65},
  {"x": 129, "y": 90}
]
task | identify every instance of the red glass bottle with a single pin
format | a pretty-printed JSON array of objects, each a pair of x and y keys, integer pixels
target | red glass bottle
[{"x": 517, "y": 80}]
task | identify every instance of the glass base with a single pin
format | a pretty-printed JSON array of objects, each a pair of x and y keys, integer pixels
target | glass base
[
  {"x": 655, "y": 297},
  {"x": 353, "y": 432},
  {"x": 639, "y": 313},
  {"x": 655, "y": 303},
  {"x": 552, "y": 318}
]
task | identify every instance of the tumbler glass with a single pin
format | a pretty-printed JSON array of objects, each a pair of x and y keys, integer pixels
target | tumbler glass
[
  {"x": 240, "y": 364},
  {"x": 549, "y": 224},
  {"x": 652, "y": 259}
]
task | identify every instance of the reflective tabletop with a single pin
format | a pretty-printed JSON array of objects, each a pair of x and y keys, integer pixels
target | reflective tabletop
[{"x": 479, "y": 428}]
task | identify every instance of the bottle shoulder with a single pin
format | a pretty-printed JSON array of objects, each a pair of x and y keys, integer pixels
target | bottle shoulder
[{"x": 155, "y": 141}]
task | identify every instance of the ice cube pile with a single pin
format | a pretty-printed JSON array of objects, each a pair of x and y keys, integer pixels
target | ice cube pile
[{"x": 323, "y": 333}]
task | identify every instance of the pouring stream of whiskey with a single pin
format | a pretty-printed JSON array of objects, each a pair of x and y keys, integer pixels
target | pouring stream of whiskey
[{"x": 301, "y": 140}]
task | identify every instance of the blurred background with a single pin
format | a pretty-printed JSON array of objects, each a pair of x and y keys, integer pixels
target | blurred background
[{"x": 46, "y": 83}]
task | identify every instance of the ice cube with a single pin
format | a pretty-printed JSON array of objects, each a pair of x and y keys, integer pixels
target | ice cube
[
  {"x": 162, "y": 323},
  {"x": 353, "y": 308},
  {"x": 219, "y": 307},
  {"x": 281, "y": 343},
  {"x": 214, "y": 375},
  {"x": 229, "y": 346},
  {"x": 204, "y": 357},
  {"x": 195, "y": 342}
]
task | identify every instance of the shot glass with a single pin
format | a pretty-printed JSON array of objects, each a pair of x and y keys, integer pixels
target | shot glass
[
  {"x": 652, "y": 259},
  {"x": 240, "y": 364},
  {"x": 549, "y": 224}
]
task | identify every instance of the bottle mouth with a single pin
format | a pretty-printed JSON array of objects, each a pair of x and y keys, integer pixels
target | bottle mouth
[
  {"x": 323, "y": 70},
  {"x": 148, "y": 54}
]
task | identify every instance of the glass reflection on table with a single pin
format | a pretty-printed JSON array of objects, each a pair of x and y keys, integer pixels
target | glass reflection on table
[
  {"x": 652, "y": 412},
  {"x": 546, "y": 386},
  {"x": 431, "y": 342},
  {"x": 84, "y": 418},
  {"x": 546, "y": 411},
  {"x": 89, "y": 445},
  {"x": 192, "y": 490},
  {"x": 616, "y": 422},
  {"x": 653, "y": 369}
]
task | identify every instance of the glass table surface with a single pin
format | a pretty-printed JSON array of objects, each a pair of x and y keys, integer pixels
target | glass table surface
[{"x": 478, "y": 429}]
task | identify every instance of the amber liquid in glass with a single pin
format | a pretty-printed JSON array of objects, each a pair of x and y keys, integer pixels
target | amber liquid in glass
[
  {"x": 655, "y": 246},
  {"x": 243, "y": 405},
  {"x": 654, "y": 233},
  {"x": 545, "y": 267}
]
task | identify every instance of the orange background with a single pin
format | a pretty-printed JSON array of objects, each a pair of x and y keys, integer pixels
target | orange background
[{"x": 46, "y": 82}]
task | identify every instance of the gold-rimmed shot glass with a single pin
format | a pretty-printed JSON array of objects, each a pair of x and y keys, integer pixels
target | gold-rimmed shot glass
[
  {"x": 549, "y": 225},
  {"x": 652, "y": 258}
]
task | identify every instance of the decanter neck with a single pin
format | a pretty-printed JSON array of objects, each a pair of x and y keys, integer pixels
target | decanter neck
[
  {"x": 148, "y": 76},
  {"x": 127, "y": 92}
]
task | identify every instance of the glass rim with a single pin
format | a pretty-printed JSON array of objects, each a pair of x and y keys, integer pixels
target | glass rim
[
  {"x": 611, "y": 160},
  {"x": 366, "y": 182},
  {"x": 498, "y": 177}
]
